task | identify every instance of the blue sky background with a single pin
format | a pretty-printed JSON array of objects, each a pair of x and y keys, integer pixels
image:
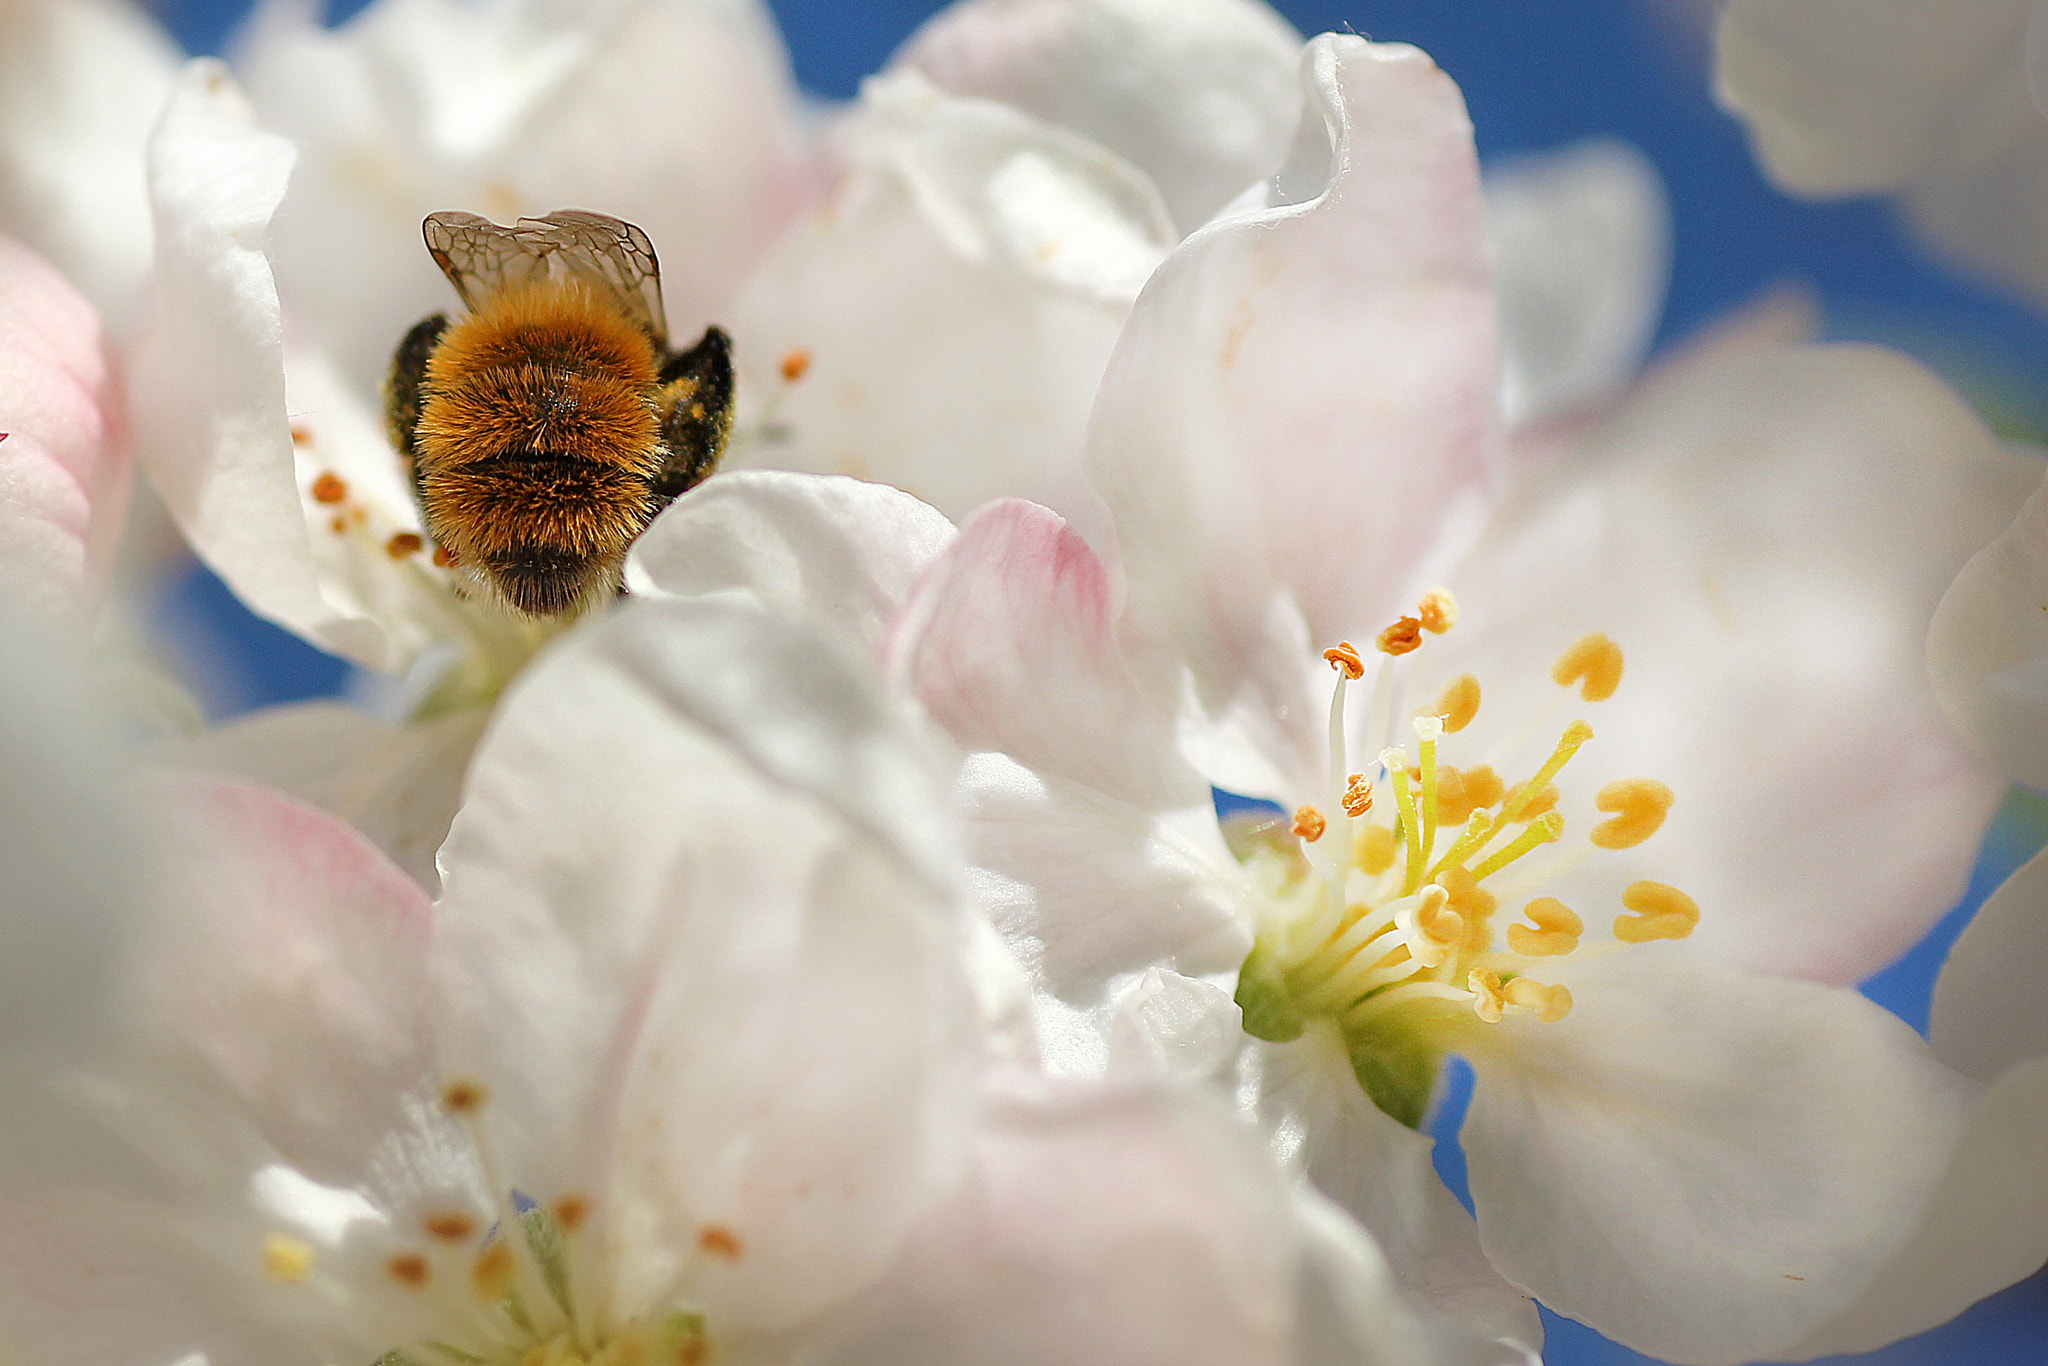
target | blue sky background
[{"x": 1536, "y": 74}]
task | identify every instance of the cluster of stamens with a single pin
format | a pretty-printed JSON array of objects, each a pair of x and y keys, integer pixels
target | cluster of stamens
[
  {"x": 508, "y": 1292},
  {"x": 1384, "y": 925}
]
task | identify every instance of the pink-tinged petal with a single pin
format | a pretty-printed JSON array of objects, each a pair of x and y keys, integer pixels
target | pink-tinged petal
[
  {"x": 1102, "y": 843},
  {"x": 1381, "y": 1172},
  {"x": 1985, "y": 1226},
  {"x": 701, "y": 898},
  {"x": 1988, "y": 1013},
  {"x": 964, "y": 240},
  {"x": 1202, "y": 98},
  {"x": 1988, "y": 647},
  {"x": 81, "y": 81},
  {"x": 286, "y": 981},
  {"x": 1763, "y": 533},
  {"x": 63, "y": 462},
  {"x": 843, "y": 552},
  {"x": 398, "y": 785},
  {"x": 207, "y": 389},
  {"x": 1768, "y": 1145},
  {"x": 1076, "y": 1187},
  {"x": 1305, "y": 391}
]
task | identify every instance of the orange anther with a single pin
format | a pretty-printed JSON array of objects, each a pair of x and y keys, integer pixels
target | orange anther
[
  {"x": 1400, "y": 638},
  {"x": 718, "y": 1241},
  {"x": 443, "y": 556},
  {"x": 1357, "y": 795},
  {"x": 409, "y": 1269},
  {"x": 570, "y": 1211},
  {"x": 1309, "y": 823},
  {"x": 1557, "y": 930},
  {"x": 1473, "y": 903},
  {"x": 1438, "y": 611},
  {"x": 1594, "y": 663},
  {"x": 329, "y": 488},
  {"x": 1482, "y": 786},
  {"x": 403, "y": 544},
  {"x": 1459, "y": 703},
  {"x": 450, "y": 1226},
  {"x": 492, "y": 1271},
  {"x": 1641, "y": 804},
  {"x": 1373, "y": 849},
  {"x": 464, "y": 1097},
  {"x": 1343, "y": 657},
  {"x": 1547, "y": 1003},
  {"x": 1487, "y": 1000},
  {"x": 1658, "y": 911},
  {"x": 301, "y": 436},
  {"x": 795, "y": 362}
]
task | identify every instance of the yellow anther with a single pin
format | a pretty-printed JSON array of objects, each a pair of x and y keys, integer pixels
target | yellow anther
[
  {"x": 1482, "y": 786},
  {"x": 1309, "y": 823},
  {"x": 1542, "y": 830},
  {"x": 1453, "y": 804},
  {"x": 1400, "y": 638},
  {"x": 1557, "y": 930},
  {"x": 1357, "y": 795},
  {"x": 1658, "y": 911},
  {"x": 1640, "y": 804},
  {"x": 491, "y": 1273},
  {"x": 1547, "y": 1003},
  {"x": 1429, "y": 927},
  {"x": 1459, "y": 703},
  {"x": 1343, "y": 657},
  {"x": 1534, "y": 804},
  {"x": 1374, "y": 849},
  {"x": 1438, "y": 611},
  {"x": 287, "y": 1260},
  {"x": 1575, "y": 735},
  {"x": 1474, "y": 905},
  {"x": 1487, "y": 1000},
  {"x": 1594, "y": 663}
]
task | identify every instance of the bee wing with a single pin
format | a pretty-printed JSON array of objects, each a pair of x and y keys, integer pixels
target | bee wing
[{"x": 480, "y": 258}]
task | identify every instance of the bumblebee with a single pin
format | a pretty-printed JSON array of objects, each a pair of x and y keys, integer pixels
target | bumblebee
[{"x": 546, "y": 429}]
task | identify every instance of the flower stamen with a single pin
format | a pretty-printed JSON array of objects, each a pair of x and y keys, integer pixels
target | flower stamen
[
  {"x": 1657, "y": 911},
  {"x": 1594, "y": 663},
  {"x": 1640, "y": 804},
  {"x": 1309, "y": 823},
  {"x": 1459, "y": 703},
  {"x": 1556, "y": 929}
]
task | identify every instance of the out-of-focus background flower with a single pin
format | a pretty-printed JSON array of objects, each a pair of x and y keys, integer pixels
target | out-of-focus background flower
[{"x": 1536, "y": 77}]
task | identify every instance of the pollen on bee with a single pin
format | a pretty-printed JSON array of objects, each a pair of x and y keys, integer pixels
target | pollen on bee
[
  {"x": 404, "y": 543},
  {"x": 716, "y": 1240},
  {"x": 287, "y": 1260},
  {"x": 1343, "y": 657},
  {"x": 464, "y": 1097},
  {"x": 1639, "y": 805},
  {"x": 409, "y": 1269},
  {"x": 795, "y": 363},
  {"x": 1401, "y": 638},
  {"x": 1594, "y": 663},
  {"x": 329, "y": 488},
  {"x": 1309, "y": 824},
  {"x": 450, "y": 1226},
  {"x": 570, "y": 1211}
]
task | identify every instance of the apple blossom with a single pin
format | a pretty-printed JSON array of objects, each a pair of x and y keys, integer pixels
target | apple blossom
[
  {"x": 689, "y": 1064},
  {"x": 63, "y": 458},
  {"x": 1710, "y": 1150},
  {"x": 1939, "y": 105}
]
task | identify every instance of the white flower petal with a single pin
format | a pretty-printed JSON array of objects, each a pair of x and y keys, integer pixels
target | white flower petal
[
  {"x": 1988, "y": 647},
  {"x": 1766, "y": 1145},
  {"x": 1381, "y": 1172},
  {"x": 751, "y": 1014},
  {"x": 1105, "y": 842},
  {"x": 1763, "y": 532},
  {"x": 80, "y": 83},
  {"x": 837, "y": 550},
  {"x": 397, "y": 784},
  {"x": 1987, "y": 1015},
  {"x": 1581, "y": 253},
  {"x": 206, "y": 390},
  {"x": 1985, "y": 1226},
  {"x": 965, "y": 240},
  {"x": 1305, "y": 389},
  {"x": 1198, "y": 94}
]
